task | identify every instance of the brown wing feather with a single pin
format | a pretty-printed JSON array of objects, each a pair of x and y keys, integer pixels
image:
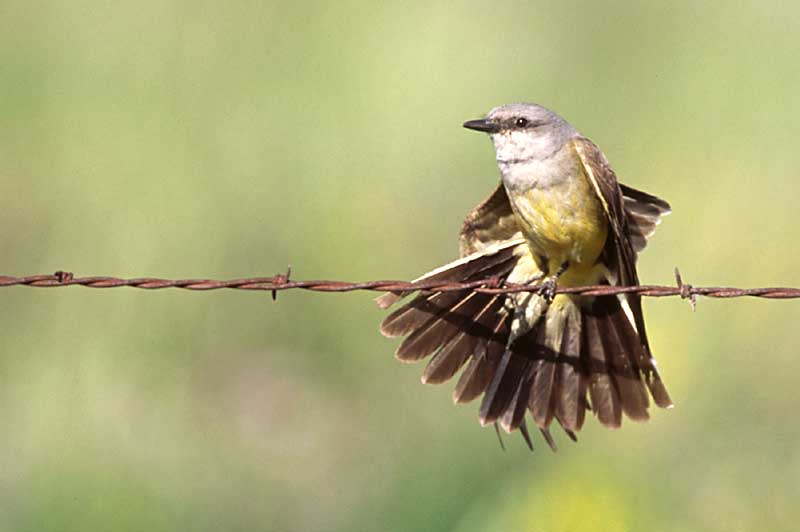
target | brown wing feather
[
  {"x": 643, "y": 212},
  {"x": 491, "y": 221},
  {"x": 619, "y": 250},
  {"x": 619, "y": 254},
  {"x": 454, "y": 354},
  {"x": 414, "y": 314}
]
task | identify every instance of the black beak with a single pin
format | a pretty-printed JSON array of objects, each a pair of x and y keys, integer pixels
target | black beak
[{"x": 482, "y": 125}]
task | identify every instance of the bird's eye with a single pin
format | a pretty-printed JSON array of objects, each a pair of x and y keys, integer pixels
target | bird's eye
[{"x": 521, "y": 122}]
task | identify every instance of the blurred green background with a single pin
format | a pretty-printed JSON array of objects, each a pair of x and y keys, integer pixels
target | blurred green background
[{"x": 207, "y": 139}]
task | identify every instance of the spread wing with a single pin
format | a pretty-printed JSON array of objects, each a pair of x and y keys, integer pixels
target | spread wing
[
  {"x": 493, "y": 220},
  {"x": 486, "y": 230},
  {"x": 488, "y": 223},
  {"x": 619, "y": 254},
  {"x": 643, "y": 212}
]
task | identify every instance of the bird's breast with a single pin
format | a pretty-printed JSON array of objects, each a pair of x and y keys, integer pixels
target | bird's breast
[{"x": 560, "y": 214}]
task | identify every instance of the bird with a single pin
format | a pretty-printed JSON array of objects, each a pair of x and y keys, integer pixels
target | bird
[{"x": 558, "y": 218}]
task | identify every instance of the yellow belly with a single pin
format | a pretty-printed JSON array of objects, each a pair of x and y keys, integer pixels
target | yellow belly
[{"x": 563, "y": 223}]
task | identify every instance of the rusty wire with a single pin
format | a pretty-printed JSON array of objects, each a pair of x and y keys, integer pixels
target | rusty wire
[{"x": 282, "y": 282}]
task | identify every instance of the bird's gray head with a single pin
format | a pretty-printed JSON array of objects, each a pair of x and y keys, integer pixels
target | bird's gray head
[{"x": 523, "y": 131}]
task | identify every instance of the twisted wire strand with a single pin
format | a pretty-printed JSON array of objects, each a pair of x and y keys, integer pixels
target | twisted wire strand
[{"x": 283, "y": 282}]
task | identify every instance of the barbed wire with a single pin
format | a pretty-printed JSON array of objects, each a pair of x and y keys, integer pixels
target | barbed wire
[{"x": 492, "y": 285}]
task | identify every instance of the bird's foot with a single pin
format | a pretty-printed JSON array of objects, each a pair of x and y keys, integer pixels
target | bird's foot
[{"x": 547, "y": 288}]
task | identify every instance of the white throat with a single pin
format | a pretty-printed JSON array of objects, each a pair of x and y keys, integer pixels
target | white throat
[{"x": 518, "y": 146}]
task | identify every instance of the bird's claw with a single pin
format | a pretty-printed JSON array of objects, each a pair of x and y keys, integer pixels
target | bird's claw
[{"x": 547, "y": 289}]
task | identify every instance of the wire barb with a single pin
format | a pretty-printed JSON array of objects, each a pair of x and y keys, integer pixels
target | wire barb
[
  {"x": 280, "y": 282},
  {"x": 687, "y": 290},
  {"x": 63, "y": 276}
]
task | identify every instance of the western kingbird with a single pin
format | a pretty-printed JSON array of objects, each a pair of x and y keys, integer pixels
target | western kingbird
[{"x": 558, "y": 217}]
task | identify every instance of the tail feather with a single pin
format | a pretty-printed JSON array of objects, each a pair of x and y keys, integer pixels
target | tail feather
[
  {"x": 511, "y": 389},
  {"x": 541, "y": 398},
  {"x": 629, "y": 367},
  {"x": 570, "y": 406},
  {"x": 523, "y": 429},
  {"x": 624, "y": 375},
  {"x": 550, "y": 337},
  {"x": 548, "y": 438},
  {"x": 602, "y": 392},
  {"x": 616, "y": 355},
  {"x": 503, "y": 386},
  {"x": 523, "y": 399},
  {"x": 483, "y": 365},
  {"x": 643, "y": 361},
  {"x": 515, "y": 412},
  {"x": 658, "y": 390},
  {"x": 517, "y": 366}
]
